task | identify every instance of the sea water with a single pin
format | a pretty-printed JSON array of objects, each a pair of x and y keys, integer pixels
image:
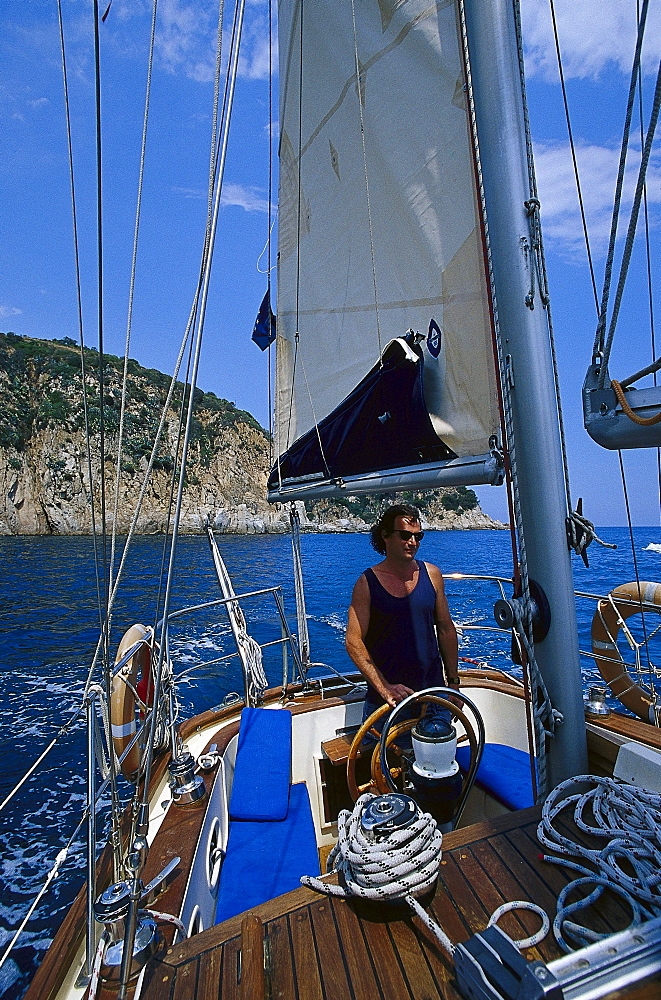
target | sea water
[{"x": 49, "y": 626}]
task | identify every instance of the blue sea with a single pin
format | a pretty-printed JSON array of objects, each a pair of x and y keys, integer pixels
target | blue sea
[{"x": 48, "y": 629}]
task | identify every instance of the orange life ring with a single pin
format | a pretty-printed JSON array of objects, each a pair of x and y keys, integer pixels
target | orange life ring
[
  {"x": 620, "y": 604},
  {"x": 134, "y": 675}
]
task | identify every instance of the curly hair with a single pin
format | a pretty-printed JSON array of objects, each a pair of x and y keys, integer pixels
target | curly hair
[{"x": 387, "y": 520}]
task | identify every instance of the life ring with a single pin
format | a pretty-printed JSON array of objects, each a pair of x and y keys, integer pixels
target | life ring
[
  {"x": 133, "y": 676},
  {"x": 620, "y": 604}
]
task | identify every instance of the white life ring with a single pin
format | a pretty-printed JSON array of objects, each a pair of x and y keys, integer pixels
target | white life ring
[
  {"x": 123, "y": 699},
  {"x": 620, "y": 604}
]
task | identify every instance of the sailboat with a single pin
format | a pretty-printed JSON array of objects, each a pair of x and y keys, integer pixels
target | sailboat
[{"x": 413, "y": 351}]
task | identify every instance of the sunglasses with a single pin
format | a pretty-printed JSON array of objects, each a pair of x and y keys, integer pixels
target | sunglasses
[{"x": 407, "y": 535}]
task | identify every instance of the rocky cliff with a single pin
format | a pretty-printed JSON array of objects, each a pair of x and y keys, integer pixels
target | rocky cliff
[{"x": 48, "y": 477}]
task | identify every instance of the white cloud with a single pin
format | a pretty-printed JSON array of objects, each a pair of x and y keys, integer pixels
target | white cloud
[
  {"x": 6, "y": 311},
  {"x": 251, "y": 199},
  {"x": 597, "y": 167},
  {"x": 592, "y": 33},
  {"x": 186, "y": 39}
]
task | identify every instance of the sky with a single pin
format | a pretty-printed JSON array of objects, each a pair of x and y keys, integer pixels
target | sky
[{"x": 37, "y": 275}]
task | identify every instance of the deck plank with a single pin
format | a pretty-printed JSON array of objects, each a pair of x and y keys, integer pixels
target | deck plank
[
  {"x": 358, "y": 961},
  {"x": 332, "y": 968},
  {"x": 308, "y": 976},
  {"x": 388, "y": 970},
  {"x": 209, "y": 974},
  {"x": 415, "y": 962},
  {"x": 327, "y": 948}
]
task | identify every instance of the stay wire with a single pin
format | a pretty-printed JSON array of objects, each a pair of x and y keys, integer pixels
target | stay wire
[
  {"x": 129, "y": 318},
  {"x": 633, "y": 223},
  {"x": 572, "y": 147},
  {"x": 601, "y": 324},
  {"x": 105, "y": 590},
  {"x": 79, "y": 303},
  {"x": 648, "y": 257},
  {"x": 625, "y": 492},
  {"x": 270, "y": 225},
  {"x": 143, "y": 809}
]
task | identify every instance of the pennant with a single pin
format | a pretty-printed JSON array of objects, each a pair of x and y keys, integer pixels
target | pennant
[{"x": 264, "y": 331}]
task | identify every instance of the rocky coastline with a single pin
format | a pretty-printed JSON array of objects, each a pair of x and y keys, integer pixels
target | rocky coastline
[{"x": 48, "y": 478}]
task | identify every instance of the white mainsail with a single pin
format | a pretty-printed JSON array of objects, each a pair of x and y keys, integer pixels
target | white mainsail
[{"x": 378, "y": 218}]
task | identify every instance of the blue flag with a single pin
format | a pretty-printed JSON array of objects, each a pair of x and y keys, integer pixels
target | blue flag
[{"x": 264, "y": 332}]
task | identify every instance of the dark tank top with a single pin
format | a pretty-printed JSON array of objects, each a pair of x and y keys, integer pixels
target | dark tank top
[{"x": 401, "y": 638}]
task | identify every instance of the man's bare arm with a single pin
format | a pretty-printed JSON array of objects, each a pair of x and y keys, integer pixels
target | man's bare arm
[{"x": 357, "y": 624}]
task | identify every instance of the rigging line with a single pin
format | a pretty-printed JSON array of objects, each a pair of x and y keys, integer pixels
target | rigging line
[
  {"x": 99, "y": 234},
  {"x": 572, "y": 147},
  {"x": 232, "y": 75},
  {"x": 359, "y": 89},
  {"x": 52, "y": 874},
  {"x": 105, "y": 621},
  {"x": 298, "y": 239},
  {"x": 213, "y": 155},
  {"x": 601, "y": 325},
  {"x": 532, "y": 208},
  {"x": 648, "y": 258},
  {"x": 129, "y": 319},
  {"x": 79, "y": 302},
  {"x": 185, "y": 340},
  {"x": 271, "y": 223},
  {"x": 633, "y": 556},
  {"x": 633, "y": 221},
  {"x": 192, "y": 318},
  {"x": 173, "y": 479}
]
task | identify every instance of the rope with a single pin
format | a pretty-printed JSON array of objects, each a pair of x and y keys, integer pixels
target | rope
[
  {"x": 301, "y": 616},
  {"x": 581, "y": 533},
  {"x": 401, "y": 866},
  {"x": 96, "y": 967},
  {"x": 622, "y": 400},
  {"x": 523, "y": 904},
  {"x": 601, "y": 326},
  {"x": 168, "y": 918},
  {"x": 633, "y": 223},
  {"x": 129, "y": 319},
  {"x": 572, "y": 147},
  {"x": 628, "y": 818}
]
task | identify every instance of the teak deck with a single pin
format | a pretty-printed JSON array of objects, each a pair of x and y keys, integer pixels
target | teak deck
[{"x": 322, "y": 948}]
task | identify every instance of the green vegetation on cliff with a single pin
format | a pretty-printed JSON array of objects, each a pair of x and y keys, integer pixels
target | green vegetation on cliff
[
  {"x": 41, "y": 385},
  {"x": 431, "y": 503}
]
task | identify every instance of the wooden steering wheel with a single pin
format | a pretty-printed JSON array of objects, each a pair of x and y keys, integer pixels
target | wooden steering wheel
[
  {"x": 383, "y": 781},
  {"x": 356, "y": 790}
]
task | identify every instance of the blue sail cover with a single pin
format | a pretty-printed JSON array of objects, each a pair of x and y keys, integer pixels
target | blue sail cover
[
  {"x": 382, "y": 424},
  {"x": 264, "y": 330}
]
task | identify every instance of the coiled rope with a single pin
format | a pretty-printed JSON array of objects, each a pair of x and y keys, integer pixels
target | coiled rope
[
  {"x": 628, "y": 819},
  {"x": 399, "y": 867}
]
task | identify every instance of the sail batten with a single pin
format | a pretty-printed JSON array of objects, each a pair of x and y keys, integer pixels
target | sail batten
[{"x": 379, "y": 234}]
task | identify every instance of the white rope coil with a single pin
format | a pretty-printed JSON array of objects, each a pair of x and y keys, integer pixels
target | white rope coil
[
  {"x": 399, "y": 867},
  {"x": 628, "y": 819},
  {"x": 523, "y": 904}
]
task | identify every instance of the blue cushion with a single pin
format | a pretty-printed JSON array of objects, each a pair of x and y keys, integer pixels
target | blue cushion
[
  {"x": 260, "y": 788},
  {"x": 266, "y": 859},
  {"x": 504, "y": 772}
]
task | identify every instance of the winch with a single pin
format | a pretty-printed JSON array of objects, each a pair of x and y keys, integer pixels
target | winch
[
  {"x": 434, "y": 773},
  {"x": 386, "y": 814},
  {"x": 111, "y": 909}
]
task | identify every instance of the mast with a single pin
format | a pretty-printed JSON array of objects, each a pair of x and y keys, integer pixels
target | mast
[{"x": 500, "y": 121}]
